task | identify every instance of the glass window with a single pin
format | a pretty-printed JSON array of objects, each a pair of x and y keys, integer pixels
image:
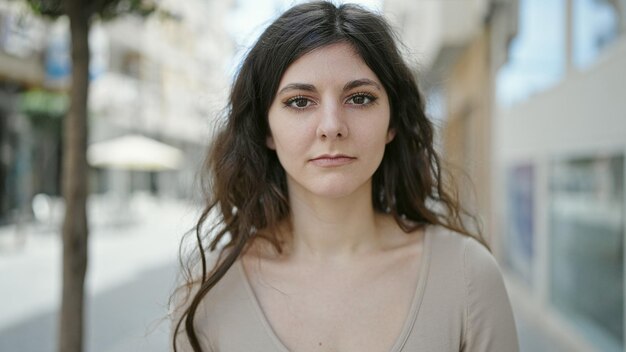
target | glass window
[
  {"x": 587, "y": 246},
  {"x": 595, "y": 26},
  {"x": 520, "y": 220},
  {"x": 536, "y": 55}
]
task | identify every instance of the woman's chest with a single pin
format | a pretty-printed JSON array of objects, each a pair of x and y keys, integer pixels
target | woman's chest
[{"x": 339, "y": 311}]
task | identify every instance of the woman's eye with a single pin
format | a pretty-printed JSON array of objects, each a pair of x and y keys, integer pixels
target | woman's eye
[
  {"x": 298, "y": 102},
  {"x": 361, "y": 99}
]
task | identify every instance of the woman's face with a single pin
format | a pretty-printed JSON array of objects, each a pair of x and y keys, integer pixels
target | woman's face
[{"x": 329, "y": 123}]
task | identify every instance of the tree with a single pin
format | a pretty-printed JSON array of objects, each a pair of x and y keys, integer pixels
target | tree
[{"x": 74, "y": 171}]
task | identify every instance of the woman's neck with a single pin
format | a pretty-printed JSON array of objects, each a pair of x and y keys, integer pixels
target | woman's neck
[{"x": 333, "y": 229}]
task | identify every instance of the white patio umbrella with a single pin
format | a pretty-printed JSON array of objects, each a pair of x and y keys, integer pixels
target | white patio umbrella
[{"x": 134, "y": 152}]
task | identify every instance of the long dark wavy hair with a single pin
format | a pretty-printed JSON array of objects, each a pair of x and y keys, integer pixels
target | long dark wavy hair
[{"x": 245, "y": 185}]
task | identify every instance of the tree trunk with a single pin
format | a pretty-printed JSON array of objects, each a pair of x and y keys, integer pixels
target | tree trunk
[{"x": 75, "y": 184}]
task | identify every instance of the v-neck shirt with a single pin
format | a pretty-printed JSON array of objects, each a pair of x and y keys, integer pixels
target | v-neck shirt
[{"x": 459, "y": 304}]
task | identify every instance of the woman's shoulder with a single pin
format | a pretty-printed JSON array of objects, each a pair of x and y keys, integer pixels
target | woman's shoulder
[
  {"x": 447, "y": 240},
  {"x": 453, "y": 240},
  {"x": 488, "y": 317},
  {"x": 465, "y": 256},
  {"x": 190, "y": 280},
  {"x": 450, "y": 237},
  {"x": 215, "y": 306}
]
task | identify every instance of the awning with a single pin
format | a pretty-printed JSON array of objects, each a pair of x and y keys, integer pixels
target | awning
[{"x": 134, "y": 152}]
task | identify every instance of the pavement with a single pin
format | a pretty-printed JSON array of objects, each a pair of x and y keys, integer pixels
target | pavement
[
  {"x": 131, "y": 272},
  {"x": 539, "y": 327}
]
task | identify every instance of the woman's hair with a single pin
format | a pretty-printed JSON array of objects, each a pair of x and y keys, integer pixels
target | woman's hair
[{"x": 244, "y": 183}]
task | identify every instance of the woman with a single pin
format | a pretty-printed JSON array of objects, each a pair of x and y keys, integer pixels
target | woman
[{"x": 331, "y": 228}]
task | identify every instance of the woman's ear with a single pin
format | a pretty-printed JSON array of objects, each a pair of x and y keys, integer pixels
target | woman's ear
[
  {"x": 269, "y": 142},
  {"x": 391, "y": 134}
]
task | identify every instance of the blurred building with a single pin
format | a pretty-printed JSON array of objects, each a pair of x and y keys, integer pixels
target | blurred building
[
  {"x": 28, "y": 134},
  {"x": 560, "y": 133},
  {"x": 456, "y": 49},
  {"x": 164, "y": 77},
  {"x": 528, "y": 98}
]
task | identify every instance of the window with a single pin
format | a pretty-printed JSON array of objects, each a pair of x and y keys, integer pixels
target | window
[
  {"x": 537, "y": 54},
  {"x": 520, "y": 219},
  {"x": 595, "y": 26},
  {"x": 587, "y": 246}
]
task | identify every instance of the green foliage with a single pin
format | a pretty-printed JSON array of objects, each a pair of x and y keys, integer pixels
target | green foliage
[
  {"x": 48, "y": 8},
  {"x": 113, "y": 8},
  {"x": 43, "y": 104},
  {"x": 105, "y": 9}
]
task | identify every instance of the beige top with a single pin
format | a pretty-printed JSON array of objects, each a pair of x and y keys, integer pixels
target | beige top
[{"x": 460, "y": 304}]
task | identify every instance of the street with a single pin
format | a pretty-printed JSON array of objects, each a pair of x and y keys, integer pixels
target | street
[{"x": 132, "y": 270}]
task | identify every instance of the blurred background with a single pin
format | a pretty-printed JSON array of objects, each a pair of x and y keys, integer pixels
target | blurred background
[{"x": 529, "y": 101}]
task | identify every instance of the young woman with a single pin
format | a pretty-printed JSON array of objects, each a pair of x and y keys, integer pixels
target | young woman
[{"x": 329, "y": 226}]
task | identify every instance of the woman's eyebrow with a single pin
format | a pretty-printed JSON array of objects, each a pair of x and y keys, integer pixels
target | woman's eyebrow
[
  {"x": 361, "y": 82},
  {"x": 311, "y": 88},
  {"x": 298, "y": 86}
]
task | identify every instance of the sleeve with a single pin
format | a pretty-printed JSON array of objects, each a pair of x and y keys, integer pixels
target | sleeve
[{"x": 489, "y": 324}]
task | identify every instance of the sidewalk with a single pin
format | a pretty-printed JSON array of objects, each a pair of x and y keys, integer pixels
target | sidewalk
[
  {"x": 131, "y": 272},
  {"x": 539, "y": 329}
]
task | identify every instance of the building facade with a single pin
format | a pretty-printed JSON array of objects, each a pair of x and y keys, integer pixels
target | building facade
[
  {"x": 528, "y": 99},
  {"x": 560, "y": 138},
  {"x": 22, "y": 46},
  {"x": 164, "y": 77}
]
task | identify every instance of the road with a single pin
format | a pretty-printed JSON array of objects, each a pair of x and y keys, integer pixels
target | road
[
  {"x": 131, "y": 272},
  {"x": 129, "y": 317}
]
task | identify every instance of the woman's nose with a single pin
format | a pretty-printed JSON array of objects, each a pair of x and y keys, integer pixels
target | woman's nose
[{"x": 332, "y": 124}]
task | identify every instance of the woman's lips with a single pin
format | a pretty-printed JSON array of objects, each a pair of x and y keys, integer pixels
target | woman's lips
[{"x": 332, "y": 160}]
